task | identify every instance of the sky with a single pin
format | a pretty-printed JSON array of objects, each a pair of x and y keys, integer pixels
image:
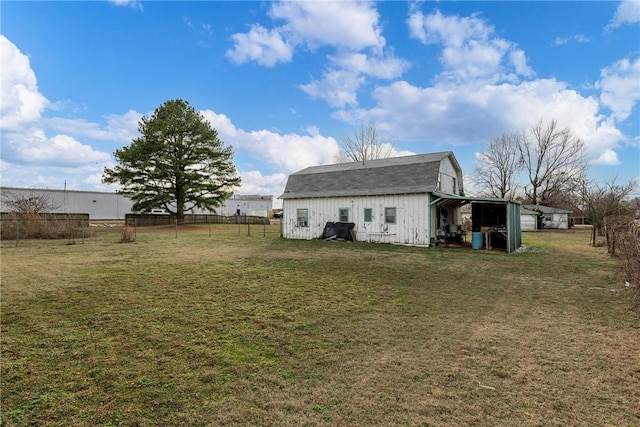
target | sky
[{"x": 284, "y": 82}]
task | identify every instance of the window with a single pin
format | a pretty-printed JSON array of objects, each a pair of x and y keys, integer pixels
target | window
[
  {"x": 390, "y": 215},
  {"x": 343, "y": 214},
  {"x": 302, "y": 217},
  {"x": 368, "y": 214}
]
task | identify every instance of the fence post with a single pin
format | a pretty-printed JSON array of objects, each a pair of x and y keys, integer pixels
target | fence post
[{"x": 17, "y": 231}]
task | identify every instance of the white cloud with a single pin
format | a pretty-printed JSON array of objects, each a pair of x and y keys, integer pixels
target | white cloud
[
  {"x": 23, "y": 141},
  {"x": 254, "y": 182},
  {"x": 580, "y": 38},
  {"x": 452, "y": 31},
  {"x": 480, "y": 94},
  {"x": 289, "y": 153},
  {"x": 473, "y": 112},
  {"x": 398, "y": 153},
  {"x": 21, "y": 102},
  {"x": 54, "y": 177},
  {"x": 628, "y": 12},
  {"x": 470, "y": 52},
  {"x": 348, "y": 27},
  {"x": 620, "y": 84},
  {"x": 134, "y": 4},
  {"x": 337, "y": 87},
  {"x": 381, "y": 66},
  {"x": 313, "y": 130},
  {"x": 266, "y": 47},
  {"x": 346, "y": 24},
  {"x": 608, "y": 157},
  {"x": 121, "y": 128},
  {"x": 285, "y": 153},
  {"x": 33, "y": 146}
]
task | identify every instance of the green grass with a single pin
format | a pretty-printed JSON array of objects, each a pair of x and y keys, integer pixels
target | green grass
[{"x": 231, "y": 329}]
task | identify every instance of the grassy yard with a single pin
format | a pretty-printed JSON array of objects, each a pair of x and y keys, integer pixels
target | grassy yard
[{"x": 220, "y": 328}]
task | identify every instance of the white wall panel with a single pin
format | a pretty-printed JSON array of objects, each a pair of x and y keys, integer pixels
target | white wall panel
[{"x": 410, "y": 227}]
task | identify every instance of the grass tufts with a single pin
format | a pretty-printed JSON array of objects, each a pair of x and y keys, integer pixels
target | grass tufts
[{"x": 215, "y": 327}]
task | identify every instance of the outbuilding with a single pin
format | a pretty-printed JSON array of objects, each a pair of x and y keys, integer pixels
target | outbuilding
[
  {"x": 551, "y": 217},
  {"x": 410, "y": 200}
]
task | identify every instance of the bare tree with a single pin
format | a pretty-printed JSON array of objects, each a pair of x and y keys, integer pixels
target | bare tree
[
  {"x": 33, "y": 204},
  {"x": 365, "y": 144},
  {"x": 553, "y": 158},
  {"x": 499, "y": 165},
  {"x": 599, "y": 201}
]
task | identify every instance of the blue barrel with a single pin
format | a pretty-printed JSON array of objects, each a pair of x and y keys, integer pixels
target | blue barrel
[{"x": 476, "y": 240}]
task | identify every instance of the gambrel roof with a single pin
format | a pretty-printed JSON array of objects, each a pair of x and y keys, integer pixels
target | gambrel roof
[{"x": 395, "y": 175}]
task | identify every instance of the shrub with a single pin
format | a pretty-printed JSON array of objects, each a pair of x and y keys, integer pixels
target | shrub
[
  {"x": 128, "y": 235},
  {"x": 43, "y": 226},
  {"x": 623, "y": 238}
]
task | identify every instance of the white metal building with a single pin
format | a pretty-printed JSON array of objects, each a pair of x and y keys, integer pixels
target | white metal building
[
  {"x": 112, "y": 206},
  {"x": 99, "y": 205}
]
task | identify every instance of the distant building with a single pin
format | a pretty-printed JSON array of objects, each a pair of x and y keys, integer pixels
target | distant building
[
  {"x": 251, "y": 204},
  {"x": 528, "y": 218},
  {"x": 99, "y": 205},
  {"x": 112, "y": 206},
  {"x": 551, "y": 217}
]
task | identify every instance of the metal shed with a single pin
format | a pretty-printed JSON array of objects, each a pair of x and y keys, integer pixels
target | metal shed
[{"x": 497, "y": 219}]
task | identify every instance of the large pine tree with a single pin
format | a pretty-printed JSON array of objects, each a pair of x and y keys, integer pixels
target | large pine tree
[{"x": 178, "y": 163}]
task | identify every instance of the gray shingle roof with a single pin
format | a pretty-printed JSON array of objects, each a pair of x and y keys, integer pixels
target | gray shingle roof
[
  {"x": 395, "y": 175},
  {"x": 547, "y": 209}
]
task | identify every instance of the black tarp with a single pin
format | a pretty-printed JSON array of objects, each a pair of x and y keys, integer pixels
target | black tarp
[{"x": 338, "y": 230}]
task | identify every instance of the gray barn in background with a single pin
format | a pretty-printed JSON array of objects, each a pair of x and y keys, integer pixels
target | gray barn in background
[{"x": 112, "y": 206}]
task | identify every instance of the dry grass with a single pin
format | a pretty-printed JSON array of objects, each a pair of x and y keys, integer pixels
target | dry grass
[{"x": 230, "y": 329}]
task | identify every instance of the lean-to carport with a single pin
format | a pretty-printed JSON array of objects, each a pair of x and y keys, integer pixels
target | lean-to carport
[{"x": 489, "y": 215}]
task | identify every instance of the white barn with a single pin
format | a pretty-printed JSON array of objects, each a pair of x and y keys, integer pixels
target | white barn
[{"x": 402, "y": 200}]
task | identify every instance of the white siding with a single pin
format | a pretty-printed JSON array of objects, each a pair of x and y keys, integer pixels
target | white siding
[
  {"x": 449, "y": 177},
  {"x": 528, "y": 222},
  {"x": 558, "y": 220},
  {"x": 410, "y": 226}
]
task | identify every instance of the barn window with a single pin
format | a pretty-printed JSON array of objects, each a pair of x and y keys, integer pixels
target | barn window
[
  {"x": 343, "y": 214},
  {"x": 368, "y": 214},
  {"x": 302, "y": 217},
  {"x": 390, "y": 215}
]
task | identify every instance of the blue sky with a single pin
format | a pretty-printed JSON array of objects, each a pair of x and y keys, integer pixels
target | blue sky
[{"x": 283, "y": 81}]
